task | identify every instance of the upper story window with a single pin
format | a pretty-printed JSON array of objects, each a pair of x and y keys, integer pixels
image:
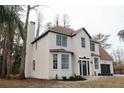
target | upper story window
[
  {"x": 61, "y": 40},
  {"x": 83, "y": 42},
  {"x": 33, "y": 64},
  {"x": 58, "y": 39},
  {"x": 65, "y": 61},
  {"x": 92, "y": 46},
  {"x": 55, "y": 61},
  {"x": 96, "y": 63},
  {"x": 36, "y": 45}
]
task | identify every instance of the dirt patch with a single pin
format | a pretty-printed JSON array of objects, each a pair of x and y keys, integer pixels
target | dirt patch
[{"x": 92, "y": 82}]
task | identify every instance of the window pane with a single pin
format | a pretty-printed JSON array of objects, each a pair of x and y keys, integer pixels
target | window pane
[
  {"x": 58, "y": 39},
  {"x": 33, "y": 64},
  {"x": 96, "y": 63},
  {"x": 92, "y": 46},
  {"x": 64, "y": 41},
  {"x": 65, "y": 61},
  {"x": 54, "y": 61},
  {"x": 83, "y": 42}
]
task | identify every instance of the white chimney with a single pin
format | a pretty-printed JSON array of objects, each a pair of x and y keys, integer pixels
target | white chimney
[{"x": 29, "y": 48}]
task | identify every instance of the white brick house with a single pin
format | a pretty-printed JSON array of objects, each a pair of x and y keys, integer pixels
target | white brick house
[{"x": 64, "y": 52}]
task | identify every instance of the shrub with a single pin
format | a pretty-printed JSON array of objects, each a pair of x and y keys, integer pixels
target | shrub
[
  {"x": 71, "y": 78},
  {"x": 56, "y": 77},
  {"x": 64, "y": 78},
  {"x": 105, "y": 74},
  {"x": 76, "y": 77}
]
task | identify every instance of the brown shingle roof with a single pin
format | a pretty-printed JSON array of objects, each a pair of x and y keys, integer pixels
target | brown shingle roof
[
  {"x": 62, "y": 30},
  {"x": 104, "y": 55}
]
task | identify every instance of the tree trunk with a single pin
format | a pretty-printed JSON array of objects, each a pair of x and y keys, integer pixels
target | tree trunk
[
  {"x": 10, "y": 49},
  {"x": 22, "y": 67},
  {"x": 3, "y": 73}
]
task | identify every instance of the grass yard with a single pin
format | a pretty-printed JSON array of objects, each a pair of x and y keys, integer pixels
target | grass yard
[{"x": 101, "y": 82}]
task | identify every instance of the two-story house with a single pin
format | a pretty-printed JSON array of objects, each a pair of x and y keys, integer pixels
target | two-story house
[{"x": 64, "y": 52}]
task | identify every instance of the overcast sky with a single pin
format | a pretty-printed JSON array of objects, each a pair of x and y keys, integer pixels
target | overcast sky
[
  {"x": 106, "y": 19},
  {"x": 97, "y": 16}
]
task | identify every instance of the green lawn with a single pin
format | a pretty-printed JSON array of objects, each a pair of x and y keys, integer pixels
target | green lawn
[{"x": 103, "y": 82}]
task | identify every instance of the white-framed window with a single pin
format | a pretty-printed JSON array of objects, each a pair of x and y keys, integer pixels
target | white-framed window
[
  {"x": 92, "y": 46},
  {"x": 61, "y": 40},
  {"x": 83, "y": 42},
  {"x": 58, "y": 39},
  {"x": 34, "y": 64},
  {"x": 96, "y": 63},
  {"x": 36, "y": 45},
  {"x": 55, "y": 60},
  {"x": 65, "y": 61}
]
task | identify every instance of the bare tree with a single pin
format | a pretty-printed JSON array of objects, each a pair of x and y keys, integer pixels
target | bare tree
[
  {"x": 39, "y": 21},
  {"x": 49, "y": 24},
  {"x": 24, "y": 37},
  {"x": 118, "y": 55},
  {"x": 65, "y": 20},
  {"x": 56, "y": 20},
  {"x": 102, "y": 39}
]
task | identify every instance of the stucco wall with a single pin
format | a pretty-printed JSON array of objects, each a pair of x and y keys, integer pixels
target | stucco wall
[
  {"x": 79, "y": 51},
  {"x": 29, "y": 47},
  {"x": 96, "y": 71},
  {"x": 52, "y": 45},
  {"x": 41, "y": 57},
  {"x": 59, "y": 71},
  {"x": 52, "y": 41}
]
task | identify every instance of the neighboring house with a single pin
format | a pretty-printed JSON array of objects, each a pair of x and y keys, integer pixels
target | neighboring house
[{"x": 64, "y": 52}]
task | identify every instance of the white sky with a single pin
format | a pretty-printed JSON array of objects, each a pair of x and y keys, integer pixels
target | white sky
[
  {"x": 104, "y": 16},
  {"x": 106, "y": 19}
]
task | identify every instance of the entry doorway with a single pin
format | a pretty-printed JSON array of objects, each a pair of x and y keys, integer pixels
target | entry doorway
[{"x": 84, "y": 67}]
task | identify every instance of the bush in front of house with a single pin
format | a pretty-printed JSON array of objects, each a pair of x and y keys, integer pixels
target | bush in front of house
[
  {"x": 76, "y": 78},
  {"x": 105, "y": 74},
  {"x": 71, "y": 78},
  {"x": 64, "y": 78}
]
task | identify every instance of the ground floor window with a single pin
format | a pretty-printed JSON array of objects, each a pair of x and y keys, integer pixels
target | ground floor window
[
  {"x": 65, "y": 61},
  {"x": 96, "y": 63},
  {"x": 33, "y": 64},
  {"x": 55, "y": 61}
]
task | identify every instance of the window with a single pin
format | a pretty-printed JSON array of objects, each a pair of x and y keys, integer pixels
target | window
[
  {"x": 65, "y": 61},
  {"x": 58, "y": 40},
  {"x": 36, "y": 45},
  {"x": 64, "y": 41},
  {"x": 92, "y": 46},
  {"x": 33, "y": 64},
  {"x": 54, "y": 61},
  {"x": 61, "y": 40},
  {"x": 83, "y": 42},
  {"x": 96, "y": 63}
]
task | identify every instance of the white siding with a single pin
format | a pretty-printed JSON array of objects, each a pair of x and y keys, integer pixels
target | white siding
[
  {"x": 79, "y": 51},
  {"x": 29, "y": 47},
  {"x": 41, "y": 57},
  {"x": 52, "y": 41},
  {"x": 96, "y": 71},
  {"x": 59, "y": 71}
]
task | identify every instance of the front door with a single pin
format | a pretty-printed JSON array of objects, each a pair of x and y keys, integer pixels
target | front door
[{"x": 84, "y": 67}]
